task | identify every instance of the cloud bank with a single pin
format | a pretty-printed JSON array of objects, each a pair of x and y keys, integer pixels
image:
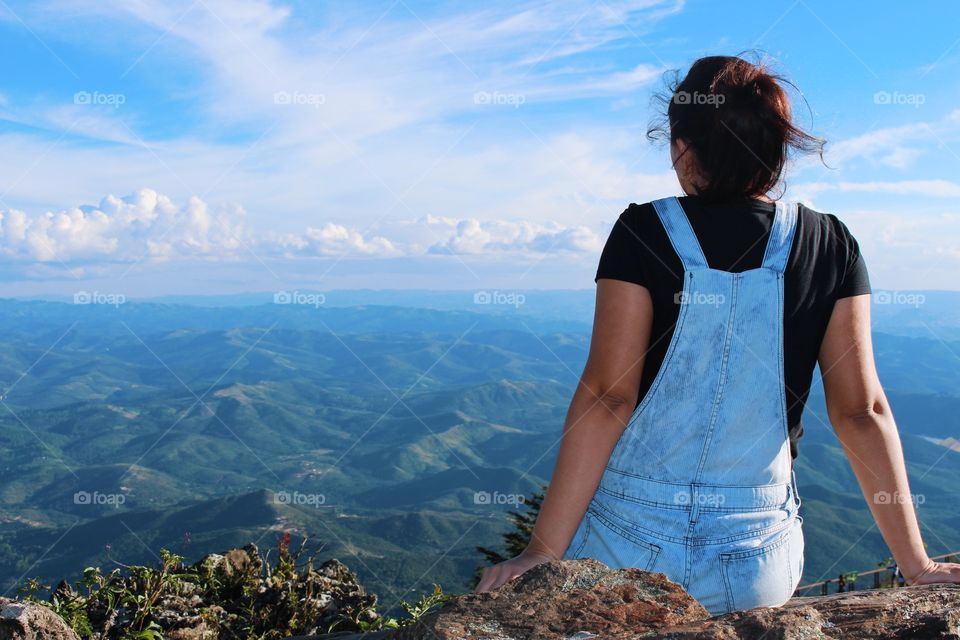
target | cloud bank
[{"x": 147, "y": 226}]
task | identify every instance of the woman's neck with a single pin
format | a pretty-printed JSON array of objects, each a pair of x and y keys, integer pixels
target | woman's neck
[{"x": 760, "y": 198}]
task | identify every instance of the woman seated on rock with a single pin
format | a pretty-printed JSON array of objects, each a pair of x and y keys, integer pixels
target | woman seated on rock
[{"x": 712, "y": 311}]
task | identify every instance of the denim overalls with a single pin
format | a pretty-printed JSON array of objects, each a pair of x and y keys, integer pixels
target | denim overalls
[{"x": 700, "y": 485}]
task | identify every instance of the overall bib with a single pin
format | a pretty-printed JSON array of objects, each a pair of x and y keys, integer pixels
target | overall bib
[{"x": 700, "y": 485}]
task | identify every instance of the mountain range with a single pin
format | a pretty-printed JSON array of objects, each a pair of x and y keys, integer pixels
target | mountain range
[{"x": 393, "y": 437}]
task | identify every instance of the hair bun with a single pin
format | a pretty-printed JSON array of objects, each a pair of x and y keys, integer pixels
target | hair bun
[{"x": 740, "y": 142}]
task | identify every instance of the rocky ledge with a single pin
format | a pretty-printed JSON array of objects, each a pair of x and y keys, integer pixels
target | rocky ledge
[{"x": 581, "y": 599}]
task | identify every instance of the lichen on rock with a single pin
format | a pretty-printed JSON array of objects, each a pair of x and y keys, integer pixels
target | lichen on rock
[{"x": 584, "y": 599}]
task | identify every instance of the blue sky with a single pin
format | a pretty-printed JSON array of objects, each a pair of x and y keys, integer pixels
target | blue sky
[{"x": 206, "y": 146}]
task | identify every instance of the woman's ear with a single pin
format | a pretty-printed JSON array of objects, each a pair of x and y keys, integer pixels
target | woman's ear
[
  {"x": 677, "y": 149},
  {"x": 684, "y": 163}
]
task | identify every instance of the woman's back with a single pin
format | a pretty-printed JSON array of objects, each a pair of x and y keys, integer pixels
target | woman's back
[
  {"x": 824, "y": 265},
  {"x": 700, "y": 485}
]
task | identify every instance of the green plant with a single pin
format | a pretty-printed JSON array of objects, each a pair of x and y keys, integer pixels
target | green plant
[
  {"x": 149, "y": 585},
  {"x": 424, "y": 604},
  {"x": 67, "y": 604},
  {"x": 851, "y": 579},
  {"x": 72, "y": 608},
  {"x": 151, "y": 632},
  {"x": 414, "y": 612},
  {"x": 28, "y": 591},
  {"x": 241, "y": 597}
]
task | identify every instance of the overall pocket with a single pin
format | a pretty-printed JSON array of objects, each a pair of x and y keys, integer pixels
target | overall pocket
[
  {"x": 763, "y": 577},
  {"x": 615, "y": 546}
]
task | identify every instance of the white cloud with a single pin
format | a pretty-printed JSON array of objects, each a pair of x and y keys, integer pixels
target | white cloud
[
  {"x": 472, "y": 236},
  {"x": 446, "y": 235},
  {"x": 897, "y": 147},
  {"x": 145, "y": 224},
  {"x": 148, "y": 227},
  {"x": 336, "y": 239},
  {"x": 908, "y": 249},
  {"x": 926, "y": 188}
]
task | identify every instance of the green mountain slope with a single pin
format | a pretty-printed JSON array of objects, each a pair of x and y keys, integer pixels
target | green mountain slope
[{"x": 181, "y": 422}]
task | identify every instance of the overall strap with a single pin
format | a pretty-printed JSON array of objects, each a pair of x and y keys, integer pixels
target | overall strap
[
  {"x": 781, "y": 236},
  {"x": 681, "y": 234}
]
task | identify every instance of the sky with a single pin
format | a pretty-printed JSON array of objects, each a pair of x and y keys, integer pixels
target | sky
[{"x": 152, "y": 148}]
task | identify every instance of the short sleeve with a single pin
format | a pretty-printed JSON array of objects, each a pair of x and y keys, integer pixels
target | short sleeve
[
  {"x": 855, "y": 280},
  {"x": 619, "y": 259}
]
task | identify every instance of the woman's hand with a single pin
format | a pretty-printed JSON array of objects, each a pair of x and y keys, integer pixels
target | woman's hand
[
  {"x": 507, "y": 570},
  {"x": 936, "y": 572}
]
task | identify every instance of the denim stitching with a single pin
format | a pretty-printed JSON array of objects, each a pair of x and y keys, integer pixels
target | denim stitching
[
  {"x": 718, "y": 397},
  {"x": 777, "y": 527},
  {"x": 586, "y": 536},
  {"x": 725, "y": 559},
  {"x": 685, "y": 484},
  {"x": 764, "y": 506},
  {"x": 770, "y": 546},
  {"x": 683, "y": 239},
  {"x": 653, "y": 548},
  {"x": 667, "y": 358}
]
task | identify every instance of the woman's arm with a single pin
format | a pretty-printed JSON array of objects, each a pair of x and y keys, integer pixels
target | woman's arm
[
  {"x": 864, "y": 424},
  {"x": 599, "y": 411}
]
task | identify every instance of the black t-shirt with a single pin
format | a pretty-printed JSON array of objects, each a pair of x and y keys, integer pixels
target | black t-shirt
[{"x": 824, "y": 265}]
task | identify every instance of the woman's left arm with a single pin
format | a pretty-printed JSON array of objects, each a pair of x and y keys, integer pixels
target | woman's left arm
[{"x": 598, "y": 413}]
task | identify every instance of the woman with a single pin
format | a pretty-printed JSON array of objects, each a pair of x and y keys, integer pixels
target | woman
[{"x": 712, "y": 311}]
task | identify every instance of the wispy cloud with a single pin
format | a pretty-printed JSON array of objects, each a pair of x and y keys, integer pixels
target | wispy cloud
[
  {"x": 925, "y": 188},
  {"x": 340, "y": 116},
  {"x": 393, "y": 128},
  {"x": 380, "y": 67},
  {"x": 899, "y": 147}
]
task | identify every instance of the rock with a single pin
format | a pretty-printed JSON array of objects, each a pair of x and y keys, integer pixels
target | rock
[
  {"x": 31, "y": 621},
  {"x": 233, "y": 568},
  {"x": 339, "y": 590},
  {"x": 565, "y": 599},
  {"x": 928, "y": 611},
  {"x": 188, "y": 618},
  {"x": 583, "y": 599}
]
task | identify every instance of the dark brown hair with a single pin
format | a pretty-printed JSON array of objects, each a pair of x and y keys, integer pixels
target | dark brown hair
[{"x": 736, "y": 118}]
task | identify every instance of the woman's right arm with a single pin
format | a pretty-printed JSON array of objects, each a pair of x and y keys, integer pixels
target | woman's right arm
[
  {"x": 599, "y": 411},
  {"x": 864, "y": 424}
]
